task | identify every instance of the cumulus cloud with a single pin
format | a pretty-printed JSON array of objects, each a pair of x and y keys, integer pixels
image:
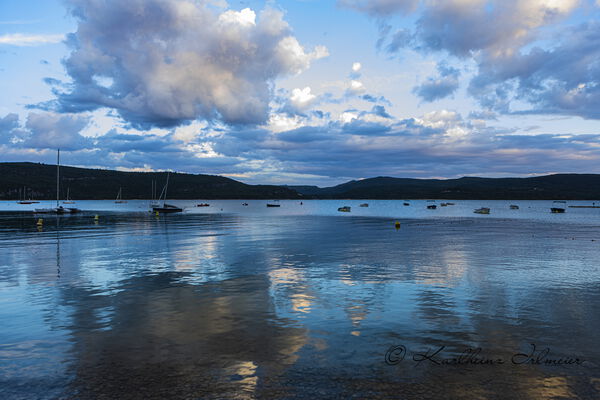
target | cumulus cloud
[
  {"x": 563, "y": 80},
  {"x": 498, "y": 27},
  {"x": 355, "y": 72},
  {"x": 518, "y": 59},
  {"x": 356, "y": 87},
  {"x": 165, "y": 62},
  {"x": 45, "y": 130},
  {"x": 436, "y": 88},
  {"x": 8, "y": 123},
  {"x": 51, "y": 131},
  {"x": 302, "y": 99},
  {"x": 437, "y": 143},
  {"x": 462, "y": 27}
]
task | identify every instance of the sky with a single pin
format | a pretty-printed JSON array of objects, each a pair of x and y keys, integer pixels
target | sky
[{"x": 303, "y": 92}]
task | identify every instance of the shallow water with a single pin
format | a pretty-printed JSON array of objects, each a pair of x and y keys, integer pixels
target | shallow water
[{"x": 300, "y": 301}]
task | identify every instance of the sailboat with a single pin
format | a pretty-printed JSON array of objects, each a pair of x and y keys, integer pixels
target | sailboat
[
  {"x": 68, "y": 200},
  {"x": 58, "y": 209},
  {"x": 165, "y": 208},
  {"x": 154, "y": 202},
  {"x": 119, "y": 199},
  {"x": 23, "y": 201}
]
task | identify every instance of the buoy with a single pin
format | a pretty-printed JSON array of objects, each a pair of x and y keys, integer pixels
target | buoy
[
  {"x": 40, "y": 222},
  {"x": 397, "y": 224}
]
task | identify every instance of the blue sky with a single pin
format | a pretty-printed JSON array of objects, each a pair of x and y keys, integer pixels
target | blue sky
[{"x": 304, "y": 91}]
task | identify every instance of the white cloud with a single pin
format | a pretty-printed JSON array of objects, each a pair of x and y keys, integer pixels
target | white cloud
[
  {"x": 20, "y": 39},
  {"x": 180, "y": 60},
  {"x": 282, "y": 122},
  {"x": 301, "y": 99},
  {"x": 356, "y": 67},
  {"x": 356, "y": 87},
  {"x": 246, "y": 17}
]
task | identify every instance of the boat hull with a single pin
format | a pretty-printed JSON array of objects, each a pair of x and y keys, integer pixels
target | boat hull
[
  {"x": 57, "y": 210},
  {"x": 167, "y": 209}
]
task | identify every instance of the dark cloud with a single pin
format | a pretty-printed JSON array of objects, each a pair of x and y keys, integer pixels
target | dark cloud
[
  {"x": 380, "y": 111},
  {"x": 370, "y": 144},
  {"x": 306, "y": 134},
  {"x": 402, "y": 38},
  {"x": 376, "y": 99},
  {"x": 162, "y": 63},
  {"x": 147, "y": 143},
  {"x": 8, "y": 123},
  {"x": 562, "y": 80},
  {"x": 436, "y": 88}
]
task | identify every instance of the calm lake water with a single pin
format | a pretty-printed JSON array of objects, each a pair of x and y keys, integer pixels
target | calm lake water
[{"x": 300, "y": 301}]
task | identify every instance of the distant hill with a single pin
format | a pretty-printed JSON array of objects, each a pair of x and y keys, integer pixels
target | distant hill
[
  {"x": 85, "y": 183},
  {"x": 555, "y": 187},
  {"x": 93, "y": 184}
]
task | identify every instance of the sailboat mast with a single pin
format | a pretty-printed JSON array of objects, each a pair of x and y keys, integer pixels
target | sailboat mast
[
  {"x": 57, "y": 175},
  {"x": 166, "y": 187}
]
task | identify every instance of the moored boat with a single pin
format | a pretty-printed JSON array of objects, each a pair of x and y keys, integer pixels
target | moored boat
[
  {"x": 68, "y": 199},
  {"x": 273, "y": 205},
  {"x": 22, "y": 200},
  {"x": 59, "y": 210},
  {"x": 558, "y": 207},
  {"x": 364, "y": 205},
  {"x": 344, "y": 209},
  {"x": 482, "y": 210},
  {"x": 165, "y": 208},
  {"x": 119, "y": 199},
  {"x": 514, "y": 207}
]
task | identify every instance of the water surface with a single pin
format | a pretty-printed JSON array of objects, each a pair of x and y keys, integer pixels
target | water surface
[{"x": 299, "y": 301}]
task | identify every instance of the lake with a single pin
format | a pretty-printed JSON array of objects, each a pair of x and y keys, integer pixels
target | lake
[{"x": 301, "y": 301}]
